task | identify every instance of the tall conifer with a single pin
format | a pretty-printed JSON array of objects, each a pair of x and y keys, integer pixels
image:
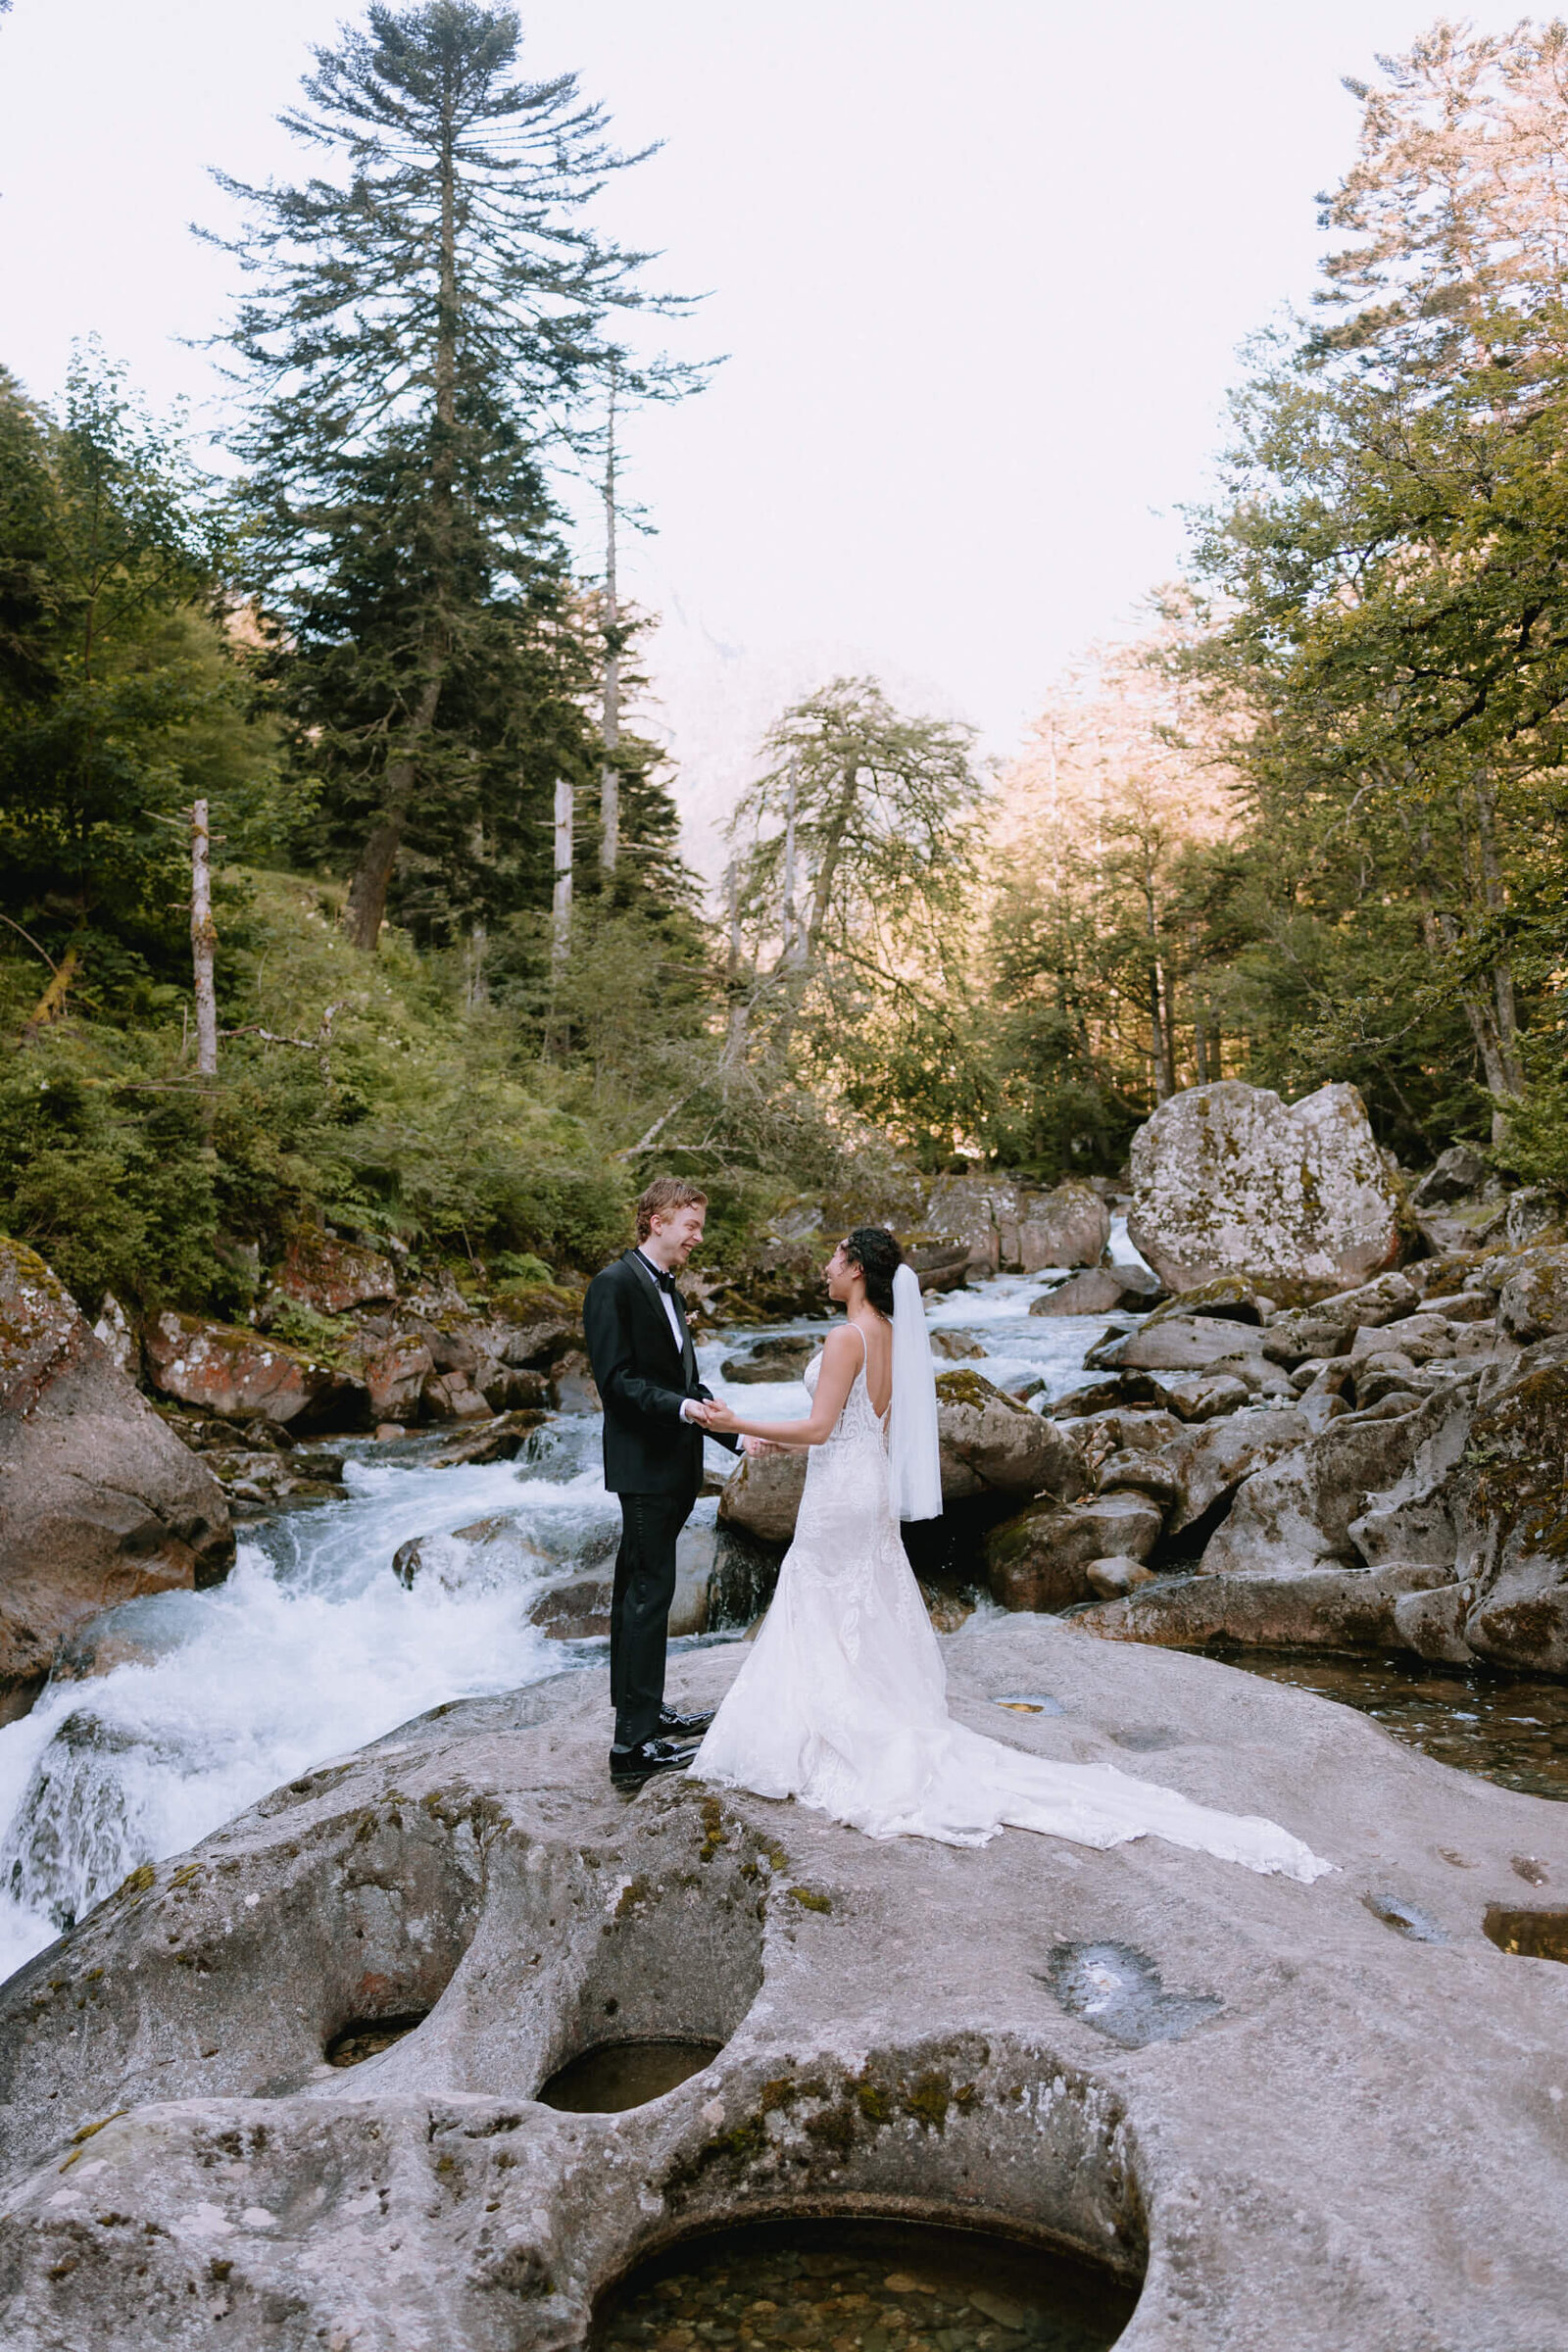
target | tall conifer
[{"x": 421, "y": 322}]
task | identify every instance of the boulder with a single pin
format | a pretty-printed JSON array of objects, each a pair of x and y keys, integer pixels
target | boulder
[
  {"x": 99, "y": 1501},
  {"x": 1229, "y": 1180},
  {"x": 533, "y": 1324},
  {"x": 1109, "y": 1579},
  {"x": 1534, "y": 1214},
  {"x": 1099, "y": 1291},
  {"x": 499, "y": 1441},
  {"x": 1177, "y": 1344},
  {"x": 957, "y": 1347},
  {"x": 991, "y": 1445},
  {"x": 762, "y": 1495},
  {"x": 1138, "y": 1472},
  {"x": 1039, "y": 1560},
  {"x": 941, "y": 1265},
  {"x": 1509, "y": 1497},
  {"x": 394, "y": 1374},
  {"x": 321, "y": 1271},
  {"x": 1209, "y": 1462},
  {"x": 1298, "y": 1513},
  {"x": 1203, "y": 1395},
  {"x": 224, "y": 1368},
  {"x": 970, "y": 1210},
  {"x": 1069, "y": 1226},
  {"x": 1459, "y": 1203},
  {"x": 1228, "y": 1301},
  {"x": 452, "y": 1396},
  {"x": 571, "y": 1385},
  {"x": 1533, "y": 1304},
  {"x": 777, "y": 1359},
  {"x": 1131, "y": 1428}
]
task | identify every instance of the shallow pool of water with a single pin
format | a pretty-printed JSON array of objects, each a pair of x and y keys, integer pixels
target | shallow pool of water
[
  {"x": 1508, "y": 1729},
  {"x": 864, "y": 2286},
  {"x": 615, "y": 2076}
]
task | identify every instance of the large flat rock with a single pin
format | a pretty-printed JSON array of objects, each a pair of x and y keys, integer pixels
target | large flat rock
[{"x": 1325, "y": 2117}]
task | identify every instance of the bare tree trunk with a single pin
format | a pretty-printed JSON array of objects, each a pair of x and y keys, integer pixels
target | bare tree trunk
[
  {"x": 734, "y": 1052},
  {"x": 610, "y": 773},
  {"x": 1495, "y": 895},
  {"x": 791, "y": 944},
  {"x": 478, "y": 936},
  {"x": 561, "y": 904},
  {"x": 203, "y": 941}
]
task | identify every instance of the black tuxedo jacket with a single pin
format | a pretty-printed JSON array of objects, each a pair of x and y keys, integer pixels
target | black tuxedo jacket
[{"x": 643, "y": 1380}]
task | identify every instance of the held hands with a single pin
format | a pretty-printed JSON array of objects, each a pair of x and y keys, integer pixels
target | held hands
[{"x": 715, "y": 1417}]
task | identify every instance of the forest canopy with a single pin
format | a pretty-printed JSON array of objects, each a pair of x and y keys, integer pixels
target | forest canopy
[{"x": 1310, "y": 824}]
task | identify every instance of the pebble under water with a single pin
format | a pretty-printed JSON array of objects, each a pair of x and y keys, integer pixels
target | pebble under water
[
  {"x": 864, "y": 2286},
  {"x": 1511, "y": 1729}
]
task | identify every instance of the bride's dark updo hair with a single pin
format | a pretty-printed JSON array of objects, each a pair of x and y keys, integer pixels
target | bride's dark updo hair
[{"x": 874, "y": 1251}]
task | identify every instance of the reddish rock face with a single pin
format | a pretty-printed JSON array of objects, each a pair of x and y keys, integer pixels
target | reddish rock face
[
  {"x": 245, "y": 1376},
  {"x": 333, "y": 1276},
  {"x": 99, "y": 1503},
  {"x": 395, "y": 1376}
]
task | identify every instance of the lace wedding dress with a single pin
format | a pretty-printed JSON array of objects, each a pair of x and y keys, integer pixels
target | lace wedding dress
[{"x": 842, "y": 1702}]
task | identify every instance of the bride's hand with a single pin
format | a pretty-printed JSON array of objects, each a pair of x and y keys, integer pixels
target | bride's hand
[
  {"x": 718, "y": 1418},
  {"x": 756, "y": 1446}
]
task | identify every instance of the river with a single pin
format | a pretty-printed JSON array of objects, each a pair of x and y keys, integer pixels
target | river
[{"x": 313, "y": 1647}]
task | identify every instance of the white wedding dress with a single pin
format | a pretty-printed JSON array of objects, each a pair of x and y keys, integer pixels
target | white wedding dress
[{"x": 842, "y": 1702}]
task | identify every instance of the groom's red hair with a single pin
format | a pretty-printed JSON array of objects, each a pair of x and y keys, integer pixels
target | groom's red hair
[{"x": 662, "y": 1197}]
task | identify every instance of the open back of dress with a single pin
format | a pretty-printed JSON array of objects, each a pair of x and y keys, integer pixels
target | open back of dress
[{"x": 842, "y": 1702}]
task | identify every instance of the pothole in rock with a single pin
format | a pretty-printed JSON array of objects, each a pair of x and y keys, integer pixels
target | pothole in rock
[
  {"x": 1118, "y": 1991},
  {"x": 370, "y": 2036},
  {"x": 896, "y": 2286},
  {"x": 1405, "y": 1918},
  {"x": 1146, "y": 1738},
  {"x": 651, "y": 1974},
  {"x": 615, "y": 2076},
  {"x": 1030, "y": 1703},
  {"x": 1533, "y": 1935}
]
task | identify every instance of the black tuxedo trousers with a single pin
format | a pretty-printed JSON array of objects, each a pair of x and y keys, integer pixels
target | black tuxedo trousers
[{"x": 653, "y": 1461}]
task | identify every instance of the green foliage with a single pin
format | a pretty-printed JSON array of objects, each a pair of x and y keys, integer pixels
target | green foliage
[
  {"x": 120, "y": 698},
  {"x": 424, "y": 1124}
]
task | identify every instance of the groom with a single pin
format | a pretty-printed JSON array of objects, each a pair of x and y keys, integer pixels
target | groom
[{"x": 645, "y": 1368}]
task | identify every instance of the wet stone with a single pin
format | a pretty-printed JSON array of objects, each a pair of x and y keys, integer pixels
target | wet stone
[
  {"x": 1118, "y": 1991},
  {"x": 1405, "y": 1918}
]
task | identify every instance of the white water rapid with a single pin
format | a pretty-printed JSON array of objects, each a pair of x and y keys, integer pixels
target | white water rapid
[{"x": 313, "y": 1647}]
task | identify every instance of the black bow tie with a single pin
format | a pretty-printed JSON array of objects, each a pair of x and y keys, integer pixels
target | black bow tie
[{"x": 664, "y": 1279}]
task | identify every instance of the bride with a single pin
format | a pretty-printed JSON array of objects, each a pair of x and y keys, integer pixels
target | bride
[{"x": 842, "y": 1702}]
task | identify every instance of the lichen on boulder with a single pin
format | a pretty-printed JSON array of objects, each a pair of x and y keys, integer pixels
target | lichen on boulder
[{"x": 1230, "y": 1180}]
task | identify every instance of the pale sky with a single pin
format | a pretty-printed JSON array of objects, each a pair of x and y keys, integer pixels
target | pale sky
[{"x": 981, "y": 265}]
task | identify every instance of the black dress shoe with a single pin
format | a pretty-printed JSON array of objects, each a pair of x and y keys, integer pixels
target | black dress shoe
[
  {"x": 630, "y": 1765},
  {"x": 681, "y": 1727}
]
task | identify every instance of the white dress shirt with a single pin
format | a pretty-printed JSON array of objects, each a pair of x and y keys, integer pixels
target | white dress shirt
[{"x": 666, "y": 1300}]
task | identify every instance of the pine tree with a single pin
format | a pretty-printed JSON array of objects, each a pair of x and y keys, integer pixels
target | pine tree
[{"x": 418, "y": 333}]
